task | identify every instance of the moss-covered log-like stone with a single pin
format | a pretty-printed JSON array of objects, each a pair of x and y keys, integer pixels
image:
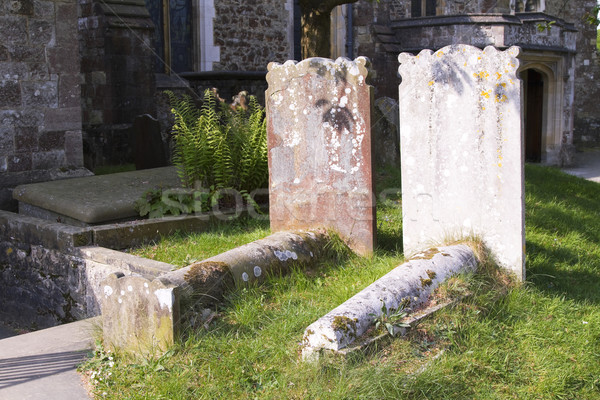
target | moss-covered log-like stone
[{"x": 143, "y": 316}]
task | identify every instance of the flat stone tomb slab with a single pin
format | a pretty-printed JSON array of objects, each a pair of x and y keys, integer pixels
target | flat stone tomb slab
[
  {"x": 319, "y": 138},
  {"x": 462, "y": 150},
  {"x": 93, "y": 199}
]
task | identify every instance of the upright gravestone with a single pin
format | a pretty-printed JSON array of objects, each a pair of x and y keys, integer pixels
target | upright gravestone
[
  {"x": 462, "y": 150},
  {"x": 319, "y": 138}
]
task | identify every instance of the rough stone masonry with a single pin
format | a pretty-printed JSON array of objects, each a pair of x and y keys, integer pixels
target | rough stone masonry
[
  {"x": 319, "y": 139},
  {"x": 462, "y": 150}
]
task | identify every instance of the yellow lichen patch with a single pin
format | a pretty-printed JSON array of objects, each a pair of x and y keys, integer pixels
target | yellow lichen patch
[
  {"x": 486, "y": 94},
  {"x": 498, "y": 75},
  {"x": 430, "y": 83},
  {"x": 440, "y": 53},
  {"x": 503, "y": 84},
  {"x": 501, "y": 99},
  {"x": 9, "y": 251},
  {"x": 500, "y": 164},
  {"x": 481, "y": 75}
]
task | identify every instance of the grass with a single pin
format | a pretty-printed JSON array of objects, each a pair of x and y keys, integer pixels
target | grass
[
  {"x": 113, "y": 169},
  {"x": 540, "y": 340},
  {"x": 184, "y": 249}
]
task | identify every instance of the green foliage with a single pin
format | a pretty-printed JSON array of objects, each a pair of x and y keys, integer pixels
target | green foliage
[
  {"x": 389, "y": 319},
  {"x": 159, "y": 202},
  {"x": 219, "y": 146}
]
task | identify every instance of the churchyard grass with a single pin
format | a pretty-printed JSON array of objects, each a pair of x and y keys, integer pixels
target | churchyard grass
[
  {"x": 539, "y": 340},
  {"x": 183, "y": 249}
]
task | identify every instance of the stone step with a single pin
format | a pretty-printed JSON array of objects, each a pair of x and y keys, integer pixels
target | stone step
[{"x": 92, "y": 200}]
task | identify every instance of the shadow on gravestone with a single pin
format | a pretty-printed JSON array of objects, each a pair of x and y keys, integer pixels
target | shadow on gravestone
[
  {"x": 462, "y": 150},
  {"x": 319, "y": 139}
]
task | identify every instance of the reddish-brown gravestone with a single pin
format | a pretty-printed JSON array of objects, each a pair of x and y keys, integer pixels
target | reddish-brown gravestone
[{"x": 319, "y": 138}]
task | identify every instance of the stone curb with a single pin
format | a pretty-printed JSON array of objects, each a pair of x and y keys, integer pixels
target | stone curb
[{"x": 406, "y": 286}]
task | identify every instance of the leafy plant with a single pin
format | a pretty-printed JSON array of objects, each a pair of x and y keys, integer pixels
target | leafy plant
[
  {"x": 218, "y": 145},
  {"x": 158, "y": 202},
  {"x": 390, "y": 319}
]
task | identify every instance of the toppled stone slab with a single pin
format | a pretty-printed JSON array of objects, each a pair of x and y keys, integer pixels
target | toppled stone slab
[
  {"x": 251, "y": 262},
  {"x": 406, "y": 286},
  {"x": 319, "y": 139},
  {"x": 141, "y": 315},
  {"x": 462, "y": 150},
  {"x": 94, "y": 199}
]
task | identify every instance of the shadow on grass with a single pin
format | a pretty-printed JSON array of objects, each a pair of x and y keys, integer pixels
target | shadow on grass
[{"x": 563, "y": 233}]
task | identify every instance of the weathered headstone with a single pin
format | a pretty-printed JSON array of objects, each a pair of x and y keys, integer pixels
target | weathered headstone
[
  {"x": 319, "y": 138},
  {"x": 462, "y": 150}
]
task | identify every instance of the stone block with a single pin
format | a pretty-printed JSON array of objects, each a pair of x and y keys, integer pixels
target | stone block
[
  {"x": 93, "y": 199},
  {"x": 19, "y": 162},
  {"x": 54, "y": 140},
  {"x": 74, "y": 148},
  {"x": 7, "y": 139},
  {"x": 62, "y": 119},
  {"x": 40, "y": 94},
  {"x": 319, "y": 140},
  {"x": 14, "y": 30},
  {"x": 139, "y": 315},
  {"x": 10, "y": 94},
  {"x": 26, "y": 139},
  {"x": 34, "y": 231},
  {"x": 62, "y": 60},
  {"x": 462, "y": 150},
  {"x": 41, "y": 32},
  {"x": 26, "y": 53},
  {"x": 22, "y": 7},
  {"x": 49, "y": 159},
  {"x": 43, "y": 9},
  {"x": 3, "y": 54},
  {"x": 69, "y": 90}
]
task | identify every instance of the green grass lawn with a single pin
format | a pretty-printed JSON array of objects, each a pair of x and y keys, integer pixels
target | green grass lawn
[
  {"x": 184, "y": 249},
  {"x": 539, "y": 340}
]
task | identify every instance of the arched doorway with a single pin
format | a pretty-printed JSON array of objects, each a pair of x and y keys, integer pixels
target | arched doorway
[{"x": 533, "y": 82}]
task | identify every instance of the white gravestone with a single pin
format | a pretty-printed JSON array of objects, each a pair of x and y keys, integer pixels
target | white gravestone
[{"x": 462, "y": 150}]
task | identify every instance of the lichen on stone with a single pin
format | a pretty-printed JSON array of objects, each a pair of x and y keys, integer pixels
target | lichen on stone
[{"x": 345, "y": 325}]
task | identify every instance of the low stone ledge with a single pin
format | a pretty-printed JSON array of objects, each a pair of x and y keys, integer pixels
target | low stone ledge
[
  {"x": 128, "y": 262},
  {"x": 142, "y": 315},
  {"x": 35, "y": 231},
  {"x": 406, "y": 286},
  {"x": 128, "y": 234}
]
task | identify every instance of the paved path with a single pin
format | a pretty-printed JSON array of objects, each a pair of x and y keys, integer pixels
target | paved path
[
  {"x": 42, "y": 365},
  {"x": 587, "y": 165}
]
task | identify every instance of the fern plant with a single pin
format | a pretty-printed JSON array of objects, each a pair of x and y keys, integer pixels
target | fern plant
[{"x": 219, "y": 146}]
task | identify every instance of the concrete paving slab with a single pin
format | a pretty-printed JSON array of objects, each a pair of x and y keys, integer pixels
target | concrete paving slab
[
  {"x": 43, "y": 364},
  {"x": 95, "y": 199},
  {"x": 587, "y": 165}
]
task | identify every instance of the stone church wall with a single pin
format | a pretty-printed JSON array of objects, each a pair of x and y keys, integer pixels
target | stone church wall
[
  {"x": 250, "y": 36},
  {"x": 40, "y": 112}
]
